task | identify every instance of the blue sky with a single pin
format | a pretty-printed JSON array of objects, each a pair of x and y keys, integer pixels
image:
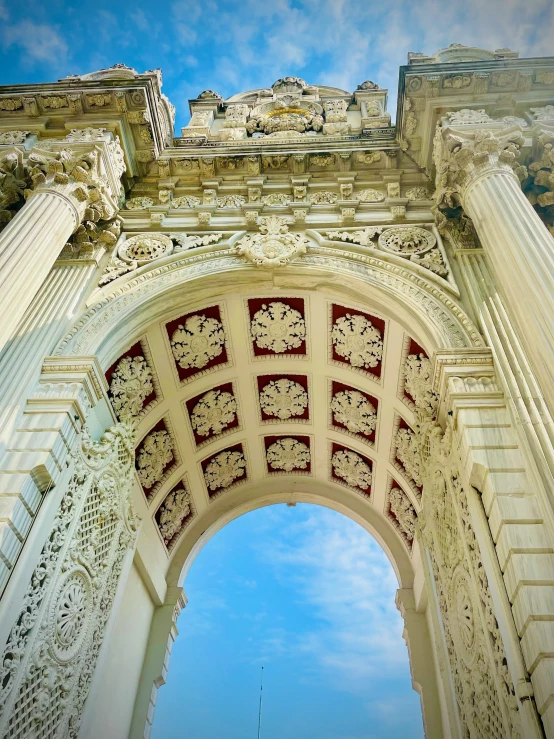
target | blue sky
[
  {"x": 310, "y": 595},
  {"x": 232, "y": 46}
]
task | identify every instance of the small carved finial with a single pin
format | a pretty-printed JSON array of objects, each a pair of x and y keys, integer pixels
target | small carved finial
[
  {"x": 368, "y": 85},
  {"x": 207, "y": 94}
]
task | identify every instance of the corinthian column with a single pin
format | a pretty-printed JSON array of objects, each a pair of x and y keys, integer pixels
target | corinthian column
[
  {"x": 66, "y": 188},
  {"x": 475, "y": 170}
]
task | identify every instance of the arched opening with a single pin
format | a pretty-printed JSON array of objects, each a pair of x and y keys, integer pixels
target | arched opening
[
  {"x": 291, "y": 388},
  {"x": 309, "y": 594}
]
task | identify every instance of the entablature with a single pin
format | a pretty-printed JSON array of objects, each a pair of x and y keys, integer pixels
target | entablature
[
  {"x": 504, "y": 88},
  {"x": 119, "y": 100}
]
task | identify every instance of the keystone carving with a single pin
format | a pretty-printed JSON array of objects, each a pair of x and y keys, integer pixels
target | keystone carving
[{"x": 274, "y": 246}]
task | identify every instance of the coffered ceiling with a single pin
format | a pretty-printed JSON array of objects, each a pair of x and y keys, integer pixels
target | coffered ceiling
[{"x": 246, "y": 388}]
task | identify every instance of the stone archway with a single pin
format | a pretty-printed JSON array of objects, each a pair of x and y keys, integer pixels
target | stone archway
[{"x": 239, "y": 386}]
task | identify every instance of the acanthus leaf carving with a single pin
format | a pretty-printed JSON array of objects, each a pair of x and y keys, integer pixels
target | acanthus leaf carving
[
  {"x": 460, "y": 157},
  {"x": 77, "y": 174}
]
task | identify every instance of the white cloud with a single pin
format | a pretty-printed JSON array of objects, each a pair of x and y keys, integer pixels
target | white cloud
[
  {"x": 341, "y": 573},
  {"x": 343, "y": 42},
  {"x": 4, "y": 15},
  {"x": 140, "y": 19},
  {"x": 40, "y": 42}
]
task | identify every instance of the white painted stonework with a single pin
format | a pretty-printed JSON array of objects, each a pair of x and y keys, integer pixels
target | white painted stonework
[{"x": 291, "y": 301}]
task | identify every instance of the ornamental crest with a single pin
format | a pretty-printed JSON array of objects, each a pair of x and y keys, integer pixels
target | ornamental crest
[
  {"x": 214, "y": 411},
  {"x": 354, "y": 411},
  {"x": 278, "y": 327},
  {"x": 283, "y": 398},
  {"x": 351, "y": 468},
  {"x": 288, "y": 454},
  {"x": 199, "y": 341},
  {"x": 357, "y": 340},
  {"x": 274, "y": 246},
  {"x": 144, "y": 248},
  {"x": 224, "y": 469}
]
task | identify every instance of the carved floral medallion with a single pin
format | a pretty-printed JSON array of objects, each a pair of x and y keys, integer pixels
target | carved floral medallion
[
  {"x": 353, "y": 410},
  {"x": 407, "y": 452},
  {"x": 417, "y": 382},
  {"x": 131, "y": 384},
  {"x": 173, "y": 514},
  {"x": 287, "y": 454},
  {"x": 224, "y": 468},
  {"x": 406, "y": 240},
  {"x": 357, "y": 340},
  {"x": 283, "y": 398},
  {"x": 69, "y": 613},
  {"x": 278, "y": 328},
  {"x": 403, "y": 513},
  {"x": 196, "y": 342},
  {"x": 352, "y": 468},
  {"x": 213, "y": 412},
  {"x": 154, "y": 455}
]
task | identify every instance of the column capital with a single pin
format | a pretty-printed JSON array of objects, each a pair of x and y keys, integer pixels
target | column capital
[
  {"x": 12, "y": 182},
  {"x": 539, "y": 187},
  {"x": 73, "y": 174},
  {"x": 464, "y": 154}
]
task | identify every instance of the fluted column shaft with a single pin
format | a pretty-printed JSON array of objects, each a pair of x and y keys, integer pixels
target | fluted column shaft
[
  {"x": 475, "y": 169},
  {"x": 29, "y": 246},
  {"x": 520, "y": 251}
]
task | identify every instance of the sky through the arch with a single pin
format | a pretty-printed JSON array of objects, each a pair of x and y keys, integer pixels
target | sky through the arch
[
  {"x": 234, "y": 46},
  {"x": 310, "y": 595}
]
